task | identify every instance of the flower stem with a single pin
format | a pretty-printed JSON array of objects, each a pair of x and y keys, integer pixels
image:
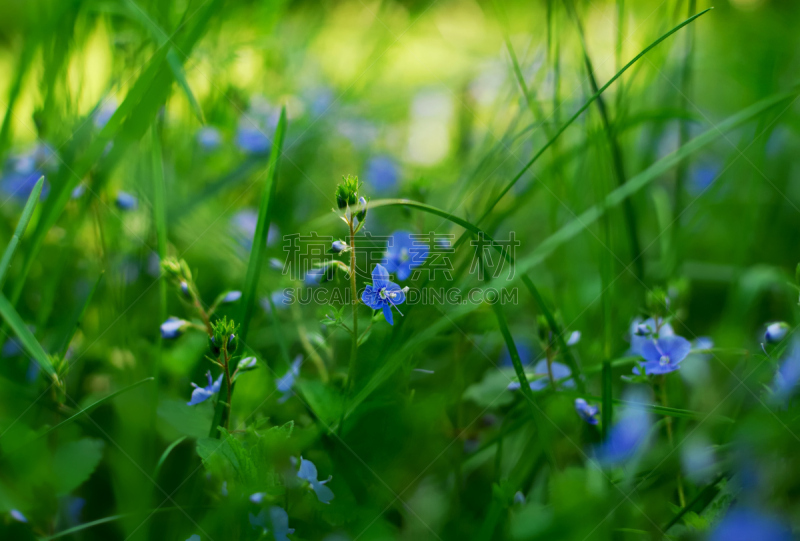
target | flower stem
[
  {"x": 681, "y": 496},
  {"x": 354, "y": 332}
]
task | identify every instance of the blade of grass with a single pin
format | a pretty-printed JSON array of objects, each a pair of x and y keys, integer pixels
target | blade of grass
[
  {"x": 25, "y": 336},
  {"x": 616, "y": 150},
  {"x": 527, "y": 392},
  {"x": 262, "y": 228},
  {"x": 22, "y": 225},
  {"x": 583, "y": 108},
  {"x": 79, "y": 316},
  {"x": 165, "y": 454}
]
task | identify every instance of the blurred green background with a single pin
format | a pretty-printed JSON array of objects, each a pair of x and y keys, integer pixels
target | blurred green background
[{"x": 674, "y": 194}]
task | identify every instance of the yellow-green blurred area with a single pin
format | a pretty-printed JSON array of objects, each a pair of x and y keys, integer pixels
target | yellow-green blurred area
[{"x": 642, "y": 154}]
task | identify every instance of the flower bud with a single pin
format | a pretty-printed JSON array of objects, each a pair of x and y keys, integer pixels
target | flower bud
[
  {"x": 347, "y": 192},
  {"x": 173, "y": 327},
  {"x": 363, "y": 212},
  {"x": 776, "y": 331},
  {"x": 338, "y": 246}
]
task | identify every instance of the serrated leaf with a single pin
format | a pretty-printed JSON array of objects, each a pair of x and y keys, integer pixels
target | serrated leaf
[{"x": 74, "y": 462}]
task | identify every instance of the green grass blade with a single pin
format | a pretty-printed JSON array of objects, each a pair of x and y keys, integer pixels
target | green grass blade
[
  {"x": 525, "y": 389},
  {"x": 637, "y": 182},
  {"x": 81, "y": 527},
  {"x": 165, "y": 454},
  {"x": 22, "y": 224},
  {"x": 607, "y": 412},
  {"x": 79, "y": 317},
  {"x": 254, "y": 265},
  {"x": 25, "y": 336},
  {"x": 583, "y": 108}
]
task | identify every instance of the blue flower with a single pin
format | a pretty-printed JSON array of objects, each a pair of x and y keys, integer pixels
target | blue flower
[
  {"x": 232, "y": 296},
  {"x": 258, "y": 497},
  {"x": 627, "y": 436},
  {"x": 541, "y": 376},
  {"x": 404, "y": 254},
  {"x": 702, "y": 176},
  {"x": 663, "y": 355},
  {"x": 23, "y": 172},
  {"x": 201, "y": 394},
  {"x": 574, "y": 338},
  {"x": 642, "y": 331},
  {"x": 382, "y": 174},
  {"x": 338, "y": 246},
  {"x": 745, "y": 524},
  {"x": 17, "y": 515},
  {"x": 697, "y": 457},
  {"x": 286, "y": 382},
  {"x": 279, "y": 298},
  {"x": 173, "y": 327},
  {"x": 788, "y": 375},
  {"x": 209, "y": 138},
  {"x": 251, "y": 139},
  {"x": 383, "y": 294},
  {"x": 524, "y": 351},
  {"x": 244, "y": 225},
  {"x": 194, "y": 537},
  {"x": 308, "y": 471},
  {"x": 275, "y": 518},
  {"x": 126, "y": 201},
  {"x": 314, "y": 277},
  {"x": 519, "y": 498},
  {"x": 776, "y": 332},
  {"x": 587, "y": 413}
]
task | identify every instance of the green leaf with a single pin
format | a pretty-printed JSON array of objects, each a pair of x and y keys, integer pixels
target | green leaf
[
  {"x": 74, "y": 462},
  {"x": 190, "y": 421},
  {"x": 25, "y": 336},
  {"x": 22, "y": 224},
  {"x": 166, "y": 453},
  {"x": 262, "y": 228}
]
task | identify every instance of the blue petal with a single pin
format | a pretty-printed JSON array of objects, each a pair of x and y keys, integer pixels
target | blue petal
[
  {"x": 371, "y": 298},
  {"x": 387, "y": 314},
  {"x": 744, "y": 524},
  {"x": 200, "y": 394},
  {"x": 232, "y": 296},
  {"x": 307, "y": 471},
  {"x": 324, "y": 494},
  {"x": 280, "y": 523}
]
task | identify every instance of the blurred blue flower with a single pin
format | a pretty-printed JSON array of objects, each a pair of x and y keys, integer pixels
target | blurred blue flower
[
  {"x": 126, "y": 201},
  {"x": 382, "y": 174},
  {"x": 626, "y": 437},
  {"x": 697, "y": 457},
  {"x": 21, "y": 173},
  {"x": 232, "y": 296},
  {"x": 540, "y": 379},
  {"x": 308, "y": 471},
  {"x": 17, "y": 515},
  {"x": 702, "y": 176},
  {"x": 403, "y": 253},
  {"x": 338, "y": 246},
  {"x": 275, "y": 518},
  {"x": 279, "y": 298},
  {"x": 663, "y": 355},
  {"x": 641, "y": 332},
  {"x": 574, "y": 338},
  {"x": 519, "y": 498},
  {"x": 173, "y": 327},
  {"x": 383, "y": 294},
  {"x": 244, "y": 225},
  {"x": 258, "y": 497},
  {"x": 314, "y": 277},
  {"x": 251, "y": 139},
  {"x": 321, "y": 99},
  {"x": 194, "y": 537},
  {"x": 524, "y": 351},
  {"x": 776, "y": 331},
  {"x": 788, "y": 375},
  {"x": 286, "y": 382},
  {"x": 209, "y": 138},
  {"x": 746, "y": 524},
  {"x": 695, "y": 369},
  {"x": 104, "y": 112},
  {"x": 587, "y": 413},
  {"x": 201, "y": 394}
]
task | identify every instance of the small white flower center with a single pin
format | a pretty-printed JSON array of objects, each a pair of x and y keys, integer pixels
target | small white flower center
[
  {"x": 404, "y": 254},
  {"x": 664, "y": 360}
]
